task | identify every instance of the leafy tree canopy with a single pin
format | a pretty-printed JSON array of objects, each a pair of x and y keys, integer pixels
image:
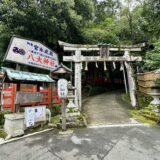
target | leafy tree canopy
[{"x": 81, "y": 21}]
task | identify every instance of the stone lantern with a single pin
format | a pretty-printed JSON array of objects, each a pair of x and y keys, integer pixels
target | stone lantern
[{"x": 71, "y": 96}]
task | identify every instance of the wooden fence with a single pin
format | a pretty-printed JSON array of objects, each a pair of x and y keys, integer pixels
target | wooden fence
[{"x": 9, "y": 93}]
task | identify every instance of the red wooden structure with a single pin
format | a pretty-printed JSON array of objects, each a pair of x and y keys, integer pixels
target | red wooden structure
[{"x": 9, "y": 93}]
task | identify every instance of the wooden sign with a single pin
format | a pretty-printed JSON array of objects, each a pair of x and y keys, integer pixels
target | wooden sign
[
  {"x": 62, "y": 88},
  {"x": 32, "y": 53}
]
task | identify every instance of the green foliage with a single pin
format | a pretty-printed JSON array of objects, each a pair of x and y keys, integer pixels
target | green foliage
[
  {"x": 153, "y": 57},
  {"x": 104, "y": 32},
  {"x": 79, "y": 21},
  {"x": 55, "y": 119},
  {"x": 150, "y": 19},
  {"x": 106, "y": 8},
  {"x": 3, "y": 134},
  {"x": 2, "y": 116},
  {"x": 56, "y": 109},
  {"x": 143, "y": 100}
]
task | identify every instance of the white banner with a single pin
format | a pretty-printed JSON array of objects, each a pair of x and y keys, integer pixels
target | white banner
[{"x": 31, "y": 53}]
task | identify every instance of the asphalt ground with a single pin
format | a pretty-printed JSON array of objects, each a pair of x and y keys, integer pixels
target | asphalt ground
[{"x": 108, "y": 143}]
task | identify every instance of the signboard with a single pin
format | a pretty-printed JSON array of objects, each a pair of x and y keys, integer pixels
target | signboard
[
  {"x": 62, "y": 88},
  {"x": 32, "y": 53},
  {"x": 29, "y": 116},
  {"x": 35, "y": 114},
  {"x": 40, "y": 113},
  {"x": 28, "y": 97}
]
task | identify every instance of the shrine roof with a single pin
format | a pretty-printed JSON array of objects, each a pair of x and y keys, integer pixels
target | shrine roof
[
  {"x": 28, "y": 77},
  {"x": 61, "y": 69}
]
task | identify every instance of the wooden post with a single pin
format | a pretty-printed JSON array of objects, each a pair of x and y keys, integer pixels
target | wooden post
[
  {"x": 17, "y": 105},
  {"x": 51, "y": 92},
  {"x": 63, "y": 115},
  {"x": 131, "y": 81},
  {"x": 18, "y": 68},
  {"x": 124, "y": 75},
  {"x": 78, "y": 97}
]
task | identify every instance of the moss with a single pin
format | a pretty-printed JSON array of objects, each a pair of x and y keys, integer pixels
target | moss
[
  {"x": 143, "y": 112},
  {"x": 55, "y": 119},
  {"x": 3, "y": 134},
  {"x": 80, "y": 117},
  {"x": 71, "y": 110},
  {"x": 145, "y": 118}
]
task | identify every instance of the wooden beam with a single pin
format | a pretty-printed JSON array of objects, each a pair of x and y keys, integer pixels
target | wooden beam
[
  {"x": 99, "y": 59},
  {"x": 71, "y": 49},
  {"x": 64, "y": 44}
]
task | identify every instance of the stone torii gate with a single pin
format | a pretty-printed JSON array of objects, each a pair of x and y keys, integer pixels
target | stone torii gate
[{"x": 78, "y": 59}]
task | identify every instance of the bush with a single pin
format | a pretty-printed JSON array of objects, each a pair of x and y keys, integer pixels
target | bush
[
  {"x": 2, "y": 116},
  {"x": 143, "y": 100},
  {"x": 152, "y": 59},
  {"x": 56, "y": 109}
]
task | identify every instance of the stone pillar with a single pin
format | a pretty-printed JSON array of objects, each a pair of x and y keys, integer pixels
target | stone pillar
[
  {"x": 131, "y": 81},
  {"x": 78, "y": 101}
]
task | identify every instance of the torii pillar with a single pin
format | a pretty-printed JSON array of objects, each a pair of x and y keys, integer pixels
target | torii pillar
[
  {"x": 78, "y": 85},
  {"x": 131, "y": 80}
]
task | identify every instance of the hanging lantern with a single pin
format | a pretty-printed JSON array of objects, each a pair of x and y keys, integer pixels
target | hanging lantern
[
  {"x": 105, "y": 67},
  {"x": 114, "y": 65},
  {"x": 96, "y": 65},
  {"x": 86, "y": 66},
  {"x": 122, "y": 67}
]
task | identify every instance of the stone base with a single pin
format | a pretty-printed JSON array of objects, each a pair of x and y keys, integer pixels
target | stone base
[
  {"x": 1, "y": 140},
  {"x": 14, "y": 124},
  {"x": 74, "y": 119},
  {"x": 156, "y": 100}
]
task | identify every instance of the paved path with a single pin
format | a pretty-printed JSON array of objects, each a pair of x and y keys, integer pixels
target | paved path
[
  {"x": 118, "y": 143},
  {"x": 108, "y": 108}
]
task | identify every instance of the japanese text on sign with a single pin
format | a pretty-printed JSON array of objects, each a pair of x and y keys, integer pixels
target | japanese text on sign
[
  {"x": 31, "y": 53},
  {"x": 62, "y": 88}
]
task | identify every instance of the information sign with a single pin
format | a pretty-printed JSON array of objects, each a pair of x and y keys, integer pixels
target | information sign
[
  {"x": 62, "y": 88},
  {"x": 32, "y": 53}
]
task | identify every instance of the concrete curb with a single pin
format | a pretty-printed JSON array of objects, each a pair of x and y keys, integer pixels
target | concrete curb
[
  {"x": 25, "y": 136},
  {"x": 120, "y": 125}
]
